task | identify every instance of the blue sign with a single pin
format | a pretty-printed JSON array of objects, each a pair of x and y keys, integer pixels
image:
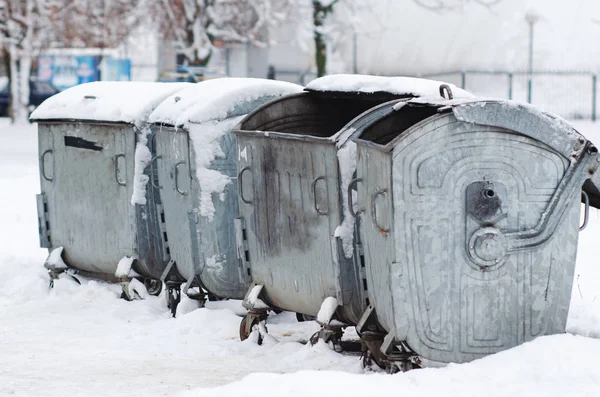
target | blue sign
[
  {"x": 65, "y": 71},
  {"x": 116, "y": 69}
]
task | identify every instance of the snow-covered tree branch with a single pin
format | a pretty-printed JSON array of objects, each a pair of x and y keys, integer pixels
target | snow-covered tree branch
[
  {"x": 196, "y": 25},
  {"x": 24, "y": 28}
]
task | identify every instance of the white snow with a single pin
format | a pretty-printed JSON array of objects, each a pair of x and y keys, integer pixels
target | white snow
[
  {"x": 393, "y": 85},
  {"x": 253, "y": 301},
  {"x": 205, "y": 141},
  {"x": 215, "y": 263},
  {"x": 347, "y": 162},
  {"x": 141, "y": 160},
  {"x": 216, "y": 99},
  {"x": 112, "y": 101},
  {"x": 553, "y": 366},
  {"x": 55, "y": 259},
  {"x": 124, "y": 267},
  {"x": 82, "y": 340},
  {"x": 327, "y": 309}
]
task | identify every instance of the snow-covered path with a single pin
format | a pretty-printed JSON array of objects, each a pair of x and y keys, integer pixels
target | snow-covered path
[{"x": 84, "y": 341}]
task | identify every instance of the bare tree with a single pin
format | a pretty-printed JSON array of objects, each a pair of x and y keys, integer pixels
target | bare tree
[
  {"x": 329, "y": 27},
  {"x": 24, "y": 27},
  {"x": 97, "y": 23},
  {"x": 196, "y": 25}
]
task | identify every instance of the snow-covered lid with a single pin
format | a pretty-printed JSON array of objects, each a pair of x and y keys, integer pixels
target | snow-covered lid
[
  {"x": 216, "y": 99},
  {"x": 409, "y": 86},
  {"x": 107, "y": 101}
]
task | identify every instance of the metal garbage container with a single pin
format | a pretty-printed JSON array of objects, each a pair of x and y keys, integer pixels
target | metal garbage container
[
  {"x": 469, "y": 225},
  {"x": 87, "y": 153},
  {"x": 196, "y": 162},
  {"x": 294, "y": 229}
]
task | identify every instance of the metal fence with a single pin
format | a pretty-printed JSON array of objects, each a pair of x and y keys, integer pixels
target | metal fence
[{"x": 571, "y": 94}]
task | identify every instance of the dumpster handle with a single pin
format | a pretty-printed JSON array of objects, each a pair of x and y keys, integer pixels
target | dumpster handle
[
  {"x": 241, "y": 184},
  {"x": 378, "y": 192},
  {"x": 49, "y": 151},
  {"x": 176, "y": 178},
  {"x": 314, "y": 189},
  {"x": 586, "y": 200},
  {"x": 350, "y": 203},
  {"x": 152, "y": 179},
  {"x": 119, "y": 182},
  {"x": 446, "y": 92}
]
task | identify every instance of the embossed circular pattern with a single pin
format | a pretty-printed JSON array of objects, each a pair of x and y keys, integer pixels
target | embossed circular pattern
[{"x": 487, "y": 246}]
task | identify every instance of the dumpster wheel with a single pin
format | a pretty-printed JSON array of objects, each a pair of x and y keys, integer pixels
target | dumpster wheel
[
  {"x": 154, "y": 287},
  {"x": 254, "y": 318}
]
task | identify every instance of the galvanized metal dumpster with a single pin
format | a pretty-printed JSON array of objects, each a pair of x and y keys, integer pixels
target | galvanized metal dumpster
[
  {"x": 87, "y": 145},
  {"x": 196, "y": 161},
  {"x": 469, "y": 223},
  {"x": 292, "y": 200}
]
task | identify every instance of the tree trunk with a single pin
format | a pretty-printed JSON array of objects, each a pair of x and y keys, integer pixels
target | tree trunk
[
  {"x": 320, "y": 13},
  {"x": 25, "y": 73},
  {"x": 17, "y": 112}
]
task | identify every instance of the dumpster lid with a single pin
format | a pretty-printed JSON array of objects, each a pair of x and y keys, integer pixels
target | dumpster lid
[
  {"x": 107, "y": 101},
  {"x": 400, "y": 86},
  {"x": 218, "y": 99},
  {"x": 522, "y": 118}
]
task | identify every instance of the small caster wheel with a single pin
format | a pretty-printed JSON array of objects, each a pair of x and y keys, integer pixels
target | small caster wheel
[
  {"x": 154, "y": 287},
  {"x": 246, "y": 328}
]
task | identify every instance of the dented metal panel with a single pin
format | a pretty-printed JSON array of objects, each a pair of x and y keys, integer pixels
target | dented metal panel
[
  {"x": 458, "y": 288},
  {"x": 200, "y": 247},
  {"x": 523, "y": 119},
  {"x": 290, "y": 201},
  {"x": 83, "y": 190},
  {"x": 86, "y": 177}
]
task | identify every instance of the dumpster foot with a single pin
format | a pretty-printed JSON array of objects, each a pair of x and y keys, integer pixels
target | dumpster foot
[
  {"x": 328, "y": 334},
  {"x": 383, "y": 349},
  {"x": 254, "y": 319},
  {"x": 400, "y": 359},
  {"x": 173, "y": 296}
]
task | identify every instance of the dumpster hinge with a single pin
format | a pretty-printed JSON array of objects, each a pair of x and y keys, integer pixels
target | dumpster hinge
[{"x": 43, "y": 222}]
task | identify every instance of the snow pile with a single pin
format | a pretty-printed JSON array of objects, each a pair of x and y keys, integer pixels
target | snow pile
[
  {"x": 252, "y": 300},
  {"x": 124, "y": 267},
  {"x": 111, "y": 101},
  {"x": 142, "y": 159},
  {"x": 409, "y": 86},
  {"x": 535, "y": 369},
  {"x": 216, "y": 99},
  {"x": 55, "y": 260},
  {"x": 327, "y": 310},
  {"x": 205, "y": 139}
]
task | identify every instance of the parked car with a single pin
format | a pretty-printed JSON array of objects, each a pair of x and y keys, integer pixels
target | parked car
[{"x": 39, "y": 91}]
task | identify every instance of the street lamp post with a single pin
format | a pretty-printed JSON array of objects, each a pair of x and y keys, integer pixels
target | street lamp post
[{"x": 531, "y": 17}]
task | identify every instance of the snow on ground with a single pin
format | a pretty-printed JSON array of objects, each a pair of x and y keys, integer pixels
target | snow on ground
[{"x": 82, "y": 340}]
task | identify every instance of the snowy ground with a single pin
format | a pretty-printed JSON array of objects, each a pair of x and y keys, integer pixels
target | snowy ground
[{"x": 82, "y": 340}]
